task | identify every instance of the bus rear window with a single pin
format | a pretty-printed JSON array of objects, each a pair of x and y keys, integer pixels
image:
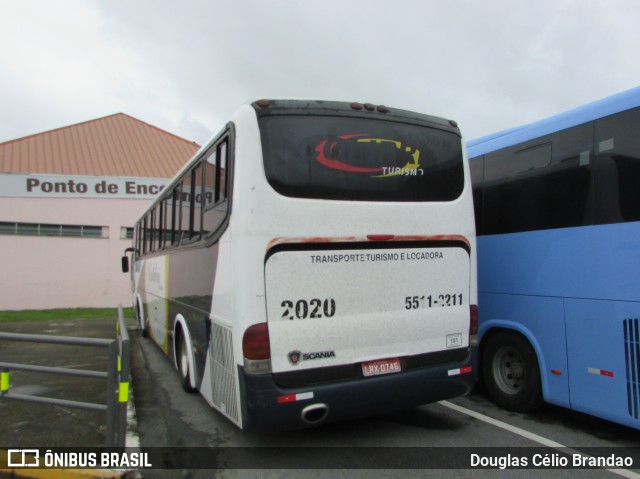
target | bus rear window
[{"x": 342, "y": 158}]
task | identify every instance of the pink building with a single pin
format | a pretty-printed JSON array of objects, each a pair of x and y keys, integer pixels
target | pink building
[{"x": 68, "y": 201}]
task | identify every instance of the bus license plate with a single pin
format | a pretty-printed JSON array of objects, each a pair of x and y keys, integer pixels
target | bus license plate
[{"x": 383, "y": 366}]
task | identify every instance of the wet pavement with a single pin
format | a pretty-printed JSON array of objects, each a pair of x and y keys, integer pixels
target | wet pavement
[{"x": 28, "y": 424}]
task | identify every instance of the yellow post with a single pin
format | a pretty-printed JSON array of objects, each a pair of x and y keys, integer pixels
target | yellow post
[{"x": 4, "y": 382}]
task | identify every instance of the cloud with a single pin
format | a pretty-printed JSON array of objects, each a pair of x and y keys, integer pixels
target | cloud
[
  {"x": 57, "y": 66},
  {"x": 187, "y": 66}
]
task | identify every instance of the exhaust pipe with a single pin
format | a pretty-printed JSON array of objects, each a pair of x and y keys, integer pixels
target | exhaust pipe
[{"x": 314, "y": 414}]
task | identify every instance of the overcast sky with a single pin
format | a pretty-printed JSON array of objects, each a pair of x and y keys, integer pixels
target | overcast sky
[{"x": 186, "y": 66}]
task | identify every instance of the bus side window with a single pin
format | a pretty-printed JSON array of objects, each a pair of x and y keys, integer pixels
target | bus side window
[
  {"x": 151, "y": 227},
  {"x": 155, "y": 220},
  {"x": 195, "y": 219},
  {"x": 532, "y": 186},
  {"x": 617, "y": 148},
  {"x": 216, "y": 163},
  {"x": 139, "y": 230},
  {"x": 476, "y": 166},
  {"x": 145, "y": 236},
  {"x": 185, "y": 208},
  {"x": 176, "y": 233},
  {"x": 167, "y": 224},
  {"x": 222, "y": 166},
  {"x": 157, "y": 237}
]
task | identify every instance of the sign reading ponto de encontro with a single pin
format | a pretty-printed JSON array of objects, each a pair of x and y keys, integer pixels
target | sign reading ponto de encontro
[{"x": 73, "y": 186}]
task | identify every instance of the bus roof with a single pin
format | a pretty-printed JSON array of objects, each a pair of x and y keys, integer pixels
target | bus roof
[{"x": 577, "y": 116}]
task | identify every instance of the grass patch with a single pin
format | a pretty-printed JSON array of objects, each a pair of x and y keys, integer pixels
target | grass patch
[{"x": 63, "y": 314}]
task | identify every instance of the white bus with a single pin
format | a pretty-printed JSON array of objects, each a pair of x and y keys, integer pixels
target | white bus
[{"x": 315, "y": 261}]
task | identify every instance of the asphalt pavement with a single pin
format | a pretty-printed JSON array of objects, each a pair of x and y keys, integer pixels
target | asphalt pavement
[
  {"x": 27, "y": 424},
  {"x": 172, "y": 421}
]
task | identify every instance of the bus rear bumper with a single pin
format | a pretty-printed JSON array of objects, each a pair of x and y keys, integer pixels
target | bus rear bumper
[{"x": 269, "y": 407}]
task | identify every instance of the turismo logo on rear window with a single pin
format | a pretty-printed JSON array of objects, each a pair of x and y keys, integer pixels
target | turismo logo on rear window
[{"x": 376, "y": 157}]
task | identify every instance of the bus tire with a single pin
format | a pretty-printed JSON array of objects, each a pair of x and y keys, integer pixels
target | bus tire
[
  {"x": 140, "y": 320},
  {"x": 511, "y": 373},
  {"x": 182, "y": 362}
]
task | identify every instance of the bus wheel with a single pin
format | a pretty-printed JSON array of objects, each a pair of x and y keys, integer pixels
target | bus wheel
[
  {"x": 140, "y": 319},
  {"x": 510, "y": 372},
  {"x": 182, "y": 360}
]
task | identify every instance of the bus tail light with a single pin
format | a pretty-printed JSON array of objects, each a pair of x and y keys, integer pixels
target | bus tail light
[
  {"x": 256, "y": 349},
  {"x": 473, "y": 325}
]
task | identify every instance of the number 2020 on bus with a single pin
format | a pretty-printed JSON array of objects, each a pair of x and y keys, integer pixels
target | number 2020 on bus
[{"x": 304, "y": 309}]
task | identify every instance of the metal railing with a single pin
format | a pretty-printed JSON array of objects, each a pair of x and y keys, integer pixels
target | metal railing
[{"x": 117, "y": 376}]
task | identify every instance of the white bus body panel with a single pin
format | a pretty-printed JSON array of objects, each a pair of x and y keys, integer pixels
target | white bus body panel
[{"x": 368, "y": 304}]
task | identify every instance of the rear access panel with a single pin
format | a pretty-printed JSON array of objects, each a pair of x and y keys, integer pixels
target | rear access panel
[{"x": 360, "y": 303}]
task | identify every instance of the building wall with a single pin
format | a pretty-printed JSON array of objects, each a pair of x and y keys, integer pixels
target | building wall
[{"x": 43, "y": 272}]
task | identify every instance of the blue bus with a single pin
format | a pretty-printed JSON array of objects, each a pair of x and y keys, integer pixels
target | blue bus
[{"x": 557, "y": 206}]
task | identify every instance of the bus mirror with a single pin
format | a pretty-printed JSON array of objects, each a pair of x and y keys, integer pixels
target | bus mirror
[{"x": 125, "y": 264}]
